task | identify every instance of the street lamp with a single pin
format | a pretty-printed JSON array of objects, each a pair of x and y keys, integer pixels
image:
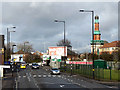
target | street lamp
[
  {"x": 64, "y": 39},
  {"x": 13, "y": 48},
  {"x": 92, "y": 33},
  {"x": 64, "y": 29},
  {"x": 24, "y": 46},
  {"x": 8, "y": 41}
]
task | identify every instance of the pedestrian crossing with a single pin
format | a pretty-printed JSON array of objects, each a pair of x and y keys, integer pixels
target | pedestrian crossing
[{"x": 39, "y": 76}]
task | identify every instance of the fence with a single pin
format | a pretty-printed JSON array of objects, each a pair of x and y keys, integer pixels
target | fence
[{"x": 86, "y": 70}]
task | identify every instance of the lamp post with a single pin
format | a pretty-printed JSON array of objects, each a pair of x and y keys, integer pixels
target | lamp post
[
  {"x": 64, "y": 40},
  {"x": 13, "y": 48},
  {"x": 92, "y": 33},
  {"x": 8, "y": 42},
  {"x": 24, "y": 46}
]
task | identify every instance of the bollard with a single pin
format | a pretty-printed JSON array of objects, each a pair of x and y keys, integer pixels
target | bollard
[{"x": 110, "y": 73}]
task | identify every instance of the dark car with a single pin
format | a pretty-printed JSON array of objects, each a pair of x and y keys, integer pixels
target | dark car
[
  {"x": 55, "y": 71},
  {"x": 35, "y": 66}
]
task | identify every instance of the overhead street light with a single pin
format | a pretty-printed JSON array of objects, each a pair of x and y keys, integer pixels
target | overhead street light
[
  {"x": 64, "y": 28},
  {"x": 24, "y": 46},
  {"x": 64, "y": 38},
  {"x": 13, "y": 48},
  {"x": 82, "y": 10},
  {"x": 8, "y": 40}
]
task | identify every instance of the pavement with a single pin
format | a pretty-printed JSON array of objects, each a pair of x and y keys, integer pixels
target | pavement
[{"x": 8, "y": 81}]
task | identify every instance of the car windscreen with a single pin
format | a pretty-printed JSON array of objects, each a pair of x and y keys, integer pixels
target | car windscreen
[
  {"x": 54, "y": 69},
  {"x": 34, "y": 64}
]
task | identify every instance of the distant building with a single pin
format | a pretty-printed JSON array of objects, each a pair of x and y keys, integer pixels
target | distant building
[
  {"x": 110, "y": 47},
  {"x": 37, "y": 53},
  {"x": 17, "y": 57}
]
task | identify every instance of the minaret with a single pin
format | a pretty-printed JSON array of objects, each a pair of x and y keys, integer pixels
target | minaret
[{"x": 97, "y": 37}]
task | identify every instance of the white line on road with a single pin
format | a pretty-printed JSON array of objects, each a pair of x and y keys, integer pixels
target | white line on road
[
  {"x": 49, "y": 75},
  {"x": 54, "y": 75},
  {"x": 30, "y": 74},
  {"x": 28, "y": 78},
  {"x": 34, "y": 75},
  {"x": 44, "y": 75},
  {"x": 39, "y": 76},
  {"x": 24, "y": 76},
  {"x": 62, "y": 86},
  {"x": 59, "y": 76}
]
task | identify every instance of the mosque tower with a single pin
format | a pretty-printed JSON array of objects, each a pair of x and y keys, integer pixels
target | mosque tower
[{"x": 97, "y": 37}]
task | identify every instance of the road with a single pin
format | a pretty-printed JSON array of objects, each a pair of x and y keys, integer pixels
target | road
[{"x": 41, "y": 79}]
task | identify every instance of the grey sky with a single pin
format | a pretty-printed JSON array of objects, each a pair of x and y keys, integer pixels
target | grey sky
[{"x": 35, "y": 22}]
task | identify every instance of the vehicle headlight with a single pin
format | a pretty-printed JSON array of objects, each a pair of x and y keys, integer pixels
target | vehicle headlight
[{"x": 58, "y": 71}]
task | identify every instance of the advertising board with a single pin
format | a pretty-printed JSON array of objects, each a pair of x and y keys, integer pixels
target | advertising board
[{"x": 58, "y": 51}]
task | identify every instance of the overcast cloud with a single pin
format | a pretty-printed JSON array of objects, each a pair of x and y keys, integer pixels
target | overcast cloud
[{"x": 35, "y": 22}]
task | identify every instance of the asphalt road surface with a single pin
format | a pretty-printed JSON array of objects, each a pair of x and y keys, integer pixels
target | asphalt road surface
[{"x": 41, "y": 79}]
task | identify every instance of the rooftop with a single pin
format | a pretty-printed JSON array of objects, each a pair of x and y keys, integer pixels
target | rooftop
[{"x": 112, "y": 44}]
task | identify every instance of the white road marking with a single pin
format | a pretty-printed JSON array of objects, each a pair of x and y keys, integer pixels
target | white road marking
[
  {"x": 62, "y": 86},
  {"x": 34, "y": 75},
  {"x": 39, "y": 76},
  {"x": 24, "y": 76},
  {"x": 28, "y": 78},
  {"x": 44, "y": 75},
  {"x": 54, "y": 75},
  {"x": 30, "y": 74},
  {"x": 59, "y": 76},
  {"x": 49, "y": 75},
  {"x": 19, "y": 76}
]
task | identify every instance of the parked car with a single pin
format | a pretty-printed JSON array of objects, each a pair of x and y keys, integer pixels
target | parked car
[
  {"x": 55, "y": 71},
  {"x": 35, "y": 66}
]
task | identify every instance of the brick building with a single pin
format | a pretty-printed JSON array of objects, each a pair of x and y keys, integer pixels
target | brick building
[{"x": 110, "y": 47}]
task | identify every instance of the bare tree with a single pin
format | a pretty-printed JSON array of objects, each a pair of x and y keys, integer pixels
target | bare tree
[
  {"x": 61, "y": 43},
  {"x": 25, "y": 48}
]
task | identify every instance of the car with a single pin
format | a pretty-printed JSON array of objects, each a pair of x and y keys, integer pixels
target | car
[
  {"x": 23, "y": 65},
  {"x": 55, "y": 71},
  {"x": 35, "y": 66}
]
